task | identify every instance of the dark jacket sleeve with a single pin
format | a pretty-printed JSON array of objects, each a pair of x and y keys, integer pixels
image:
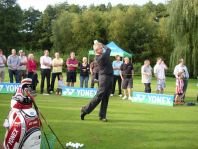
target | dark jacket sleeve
[
  {"x": 103, "y": 59},
  {"x": 121, "y": 67},
  {"x": 88, "y": 68},
  {"x": 80, "y": 67}
]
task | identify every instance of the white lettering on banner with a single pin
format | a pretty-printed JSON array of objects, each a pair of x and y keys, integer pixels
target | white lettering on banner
[
  {"x": 69, "y": 91},
  {"x": 93, "y": 93},
  {"x": 158, "y": 100},
  {"x": 78, "y": 92},
  {"x": 89, "y": 93},
  {"x": 168, "y": 100},
  {"x": 1, "y": 87},
  {"x": 139, "y": 97},
  {"x": 13, "y": 136},
  {"x": 11, "y": 88}
]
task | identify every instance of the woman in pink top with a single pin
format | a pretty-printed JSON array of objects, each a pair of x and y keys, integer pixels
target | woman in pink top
[{"x": 31, "y": 65}]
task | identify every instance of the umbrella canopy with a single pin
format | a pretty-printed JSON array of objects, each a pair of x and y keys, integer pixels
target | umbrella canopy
[{"x": 115, "y": 50}]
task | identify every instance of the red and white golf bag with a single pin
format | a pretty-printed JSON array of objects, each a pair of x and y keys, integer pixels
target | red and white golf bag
[{"x": 23, "y": 123}]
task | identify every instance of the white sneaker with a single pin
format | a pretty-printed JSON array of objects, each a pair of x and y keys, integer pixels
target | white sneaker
[
  {"x": 130, "y": 98},
  {"x": 111, "y": 95},
  {"x": 125, "y": 97},
  {"x": 120, "y": 95}
]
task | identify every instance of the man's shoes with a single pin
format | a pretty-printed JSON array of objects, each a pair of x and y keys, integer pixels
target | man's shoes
[
  {"x": 103, "y": 119},
  {"x": 111, "y": 95},
  {"x": 120, "y": 95},
  {"x": 82, "y": 115}
]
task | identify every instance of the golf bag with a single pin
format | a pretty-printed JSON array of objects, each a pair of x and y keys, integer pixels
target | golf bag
[{"x": 23, "y": 123}]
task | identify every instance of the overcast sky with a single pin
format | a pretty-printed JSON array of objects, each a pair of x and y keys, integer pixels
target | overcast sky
[{"x": 41, "y": 4}]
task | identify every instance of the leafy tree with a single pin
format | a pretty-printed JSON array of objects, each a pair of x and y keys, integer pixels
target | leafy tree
[
  {"x": 29, "y": 28},
  {"x": 10, "y": 24},
  {"x": 62, "y": 34},
  {"x": 184, "y": 29}
]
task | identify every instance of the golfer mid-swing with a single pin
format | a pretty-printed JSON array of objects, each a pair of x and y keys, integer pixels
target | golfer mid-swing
[{"x": 105, "y": 82}]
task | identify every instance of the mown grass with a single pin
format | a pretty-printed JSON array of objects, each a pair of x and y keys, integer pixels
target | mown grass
[{"x": 130, "y": 125}]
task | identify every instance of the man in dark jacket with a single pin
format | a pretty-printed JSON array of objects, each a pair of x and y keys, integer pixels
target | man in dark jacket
[
  {"x": 94, "y": 73},
  {"x": 105, "y": 82}
]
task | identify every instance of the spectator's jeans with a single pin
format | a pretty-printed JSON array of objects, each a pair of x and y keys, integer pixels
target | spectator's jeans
[
  {"x": 115, "y": 78},
  {"x": 2, "y": 74},
  {"x": 15, "y": 74},
  {"x": 45, "y": 73},
  {"x": 30, "y": 75},
  {"x": 185, "y": 85},
  {"x": 84, "y": 79},
  {"x": 54, "y": 75},
  {"x": 147, "y": 87},
  {"x": 22, "y": 74},
  {"x": 185, "y": 88}
]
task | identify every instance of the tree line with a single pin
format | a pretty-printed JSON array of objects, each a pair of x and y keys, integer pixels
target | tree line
[{"x": 147, "y": 31}]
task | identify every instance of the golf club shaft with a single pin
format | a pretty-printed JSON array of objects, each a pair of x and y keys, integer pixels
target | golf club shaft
[
  {"x": 39, "y": 112},
  {"x": 51, "y": 130}
]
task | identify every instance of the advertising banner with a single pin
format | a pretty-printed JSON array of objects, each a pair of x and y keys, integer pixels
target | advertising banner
[
  {"x": 7, "y": 88},
  {"x": 78, "y": 92},
  {"x": 150, "y": 98}
]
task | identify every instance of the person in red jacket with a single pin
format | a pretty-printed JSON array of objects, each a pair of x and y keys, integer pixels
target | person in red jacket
[{"x": 31, "y": 66}]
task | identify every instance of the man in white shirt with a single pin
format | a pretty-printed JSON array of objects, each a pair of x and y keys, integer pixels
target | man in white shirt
[
  {"x": 159, "y": 72},
  {"x": 146, "y": 71},
  {"x": 2, "y": 66},
  {"x": 182, "y": 68},
  {"x": 45, "y": 62},
  {"x": 22, "y": 69}
]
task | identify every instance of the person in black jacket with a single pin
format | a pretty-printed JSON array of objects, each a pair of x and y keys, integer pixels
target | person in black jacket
[
  {"x": 84, "y": 73},
  {"x": 105, "y": 83}
]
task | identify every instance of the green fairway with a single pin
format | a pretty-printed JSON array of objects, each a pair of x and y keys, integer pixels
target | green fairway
[{"x": 130, "y": 125}]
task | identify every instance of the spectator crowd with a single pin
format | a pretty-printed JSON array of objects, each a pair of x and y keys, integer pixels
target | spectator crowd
[{"x": 21, "y": 66}]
